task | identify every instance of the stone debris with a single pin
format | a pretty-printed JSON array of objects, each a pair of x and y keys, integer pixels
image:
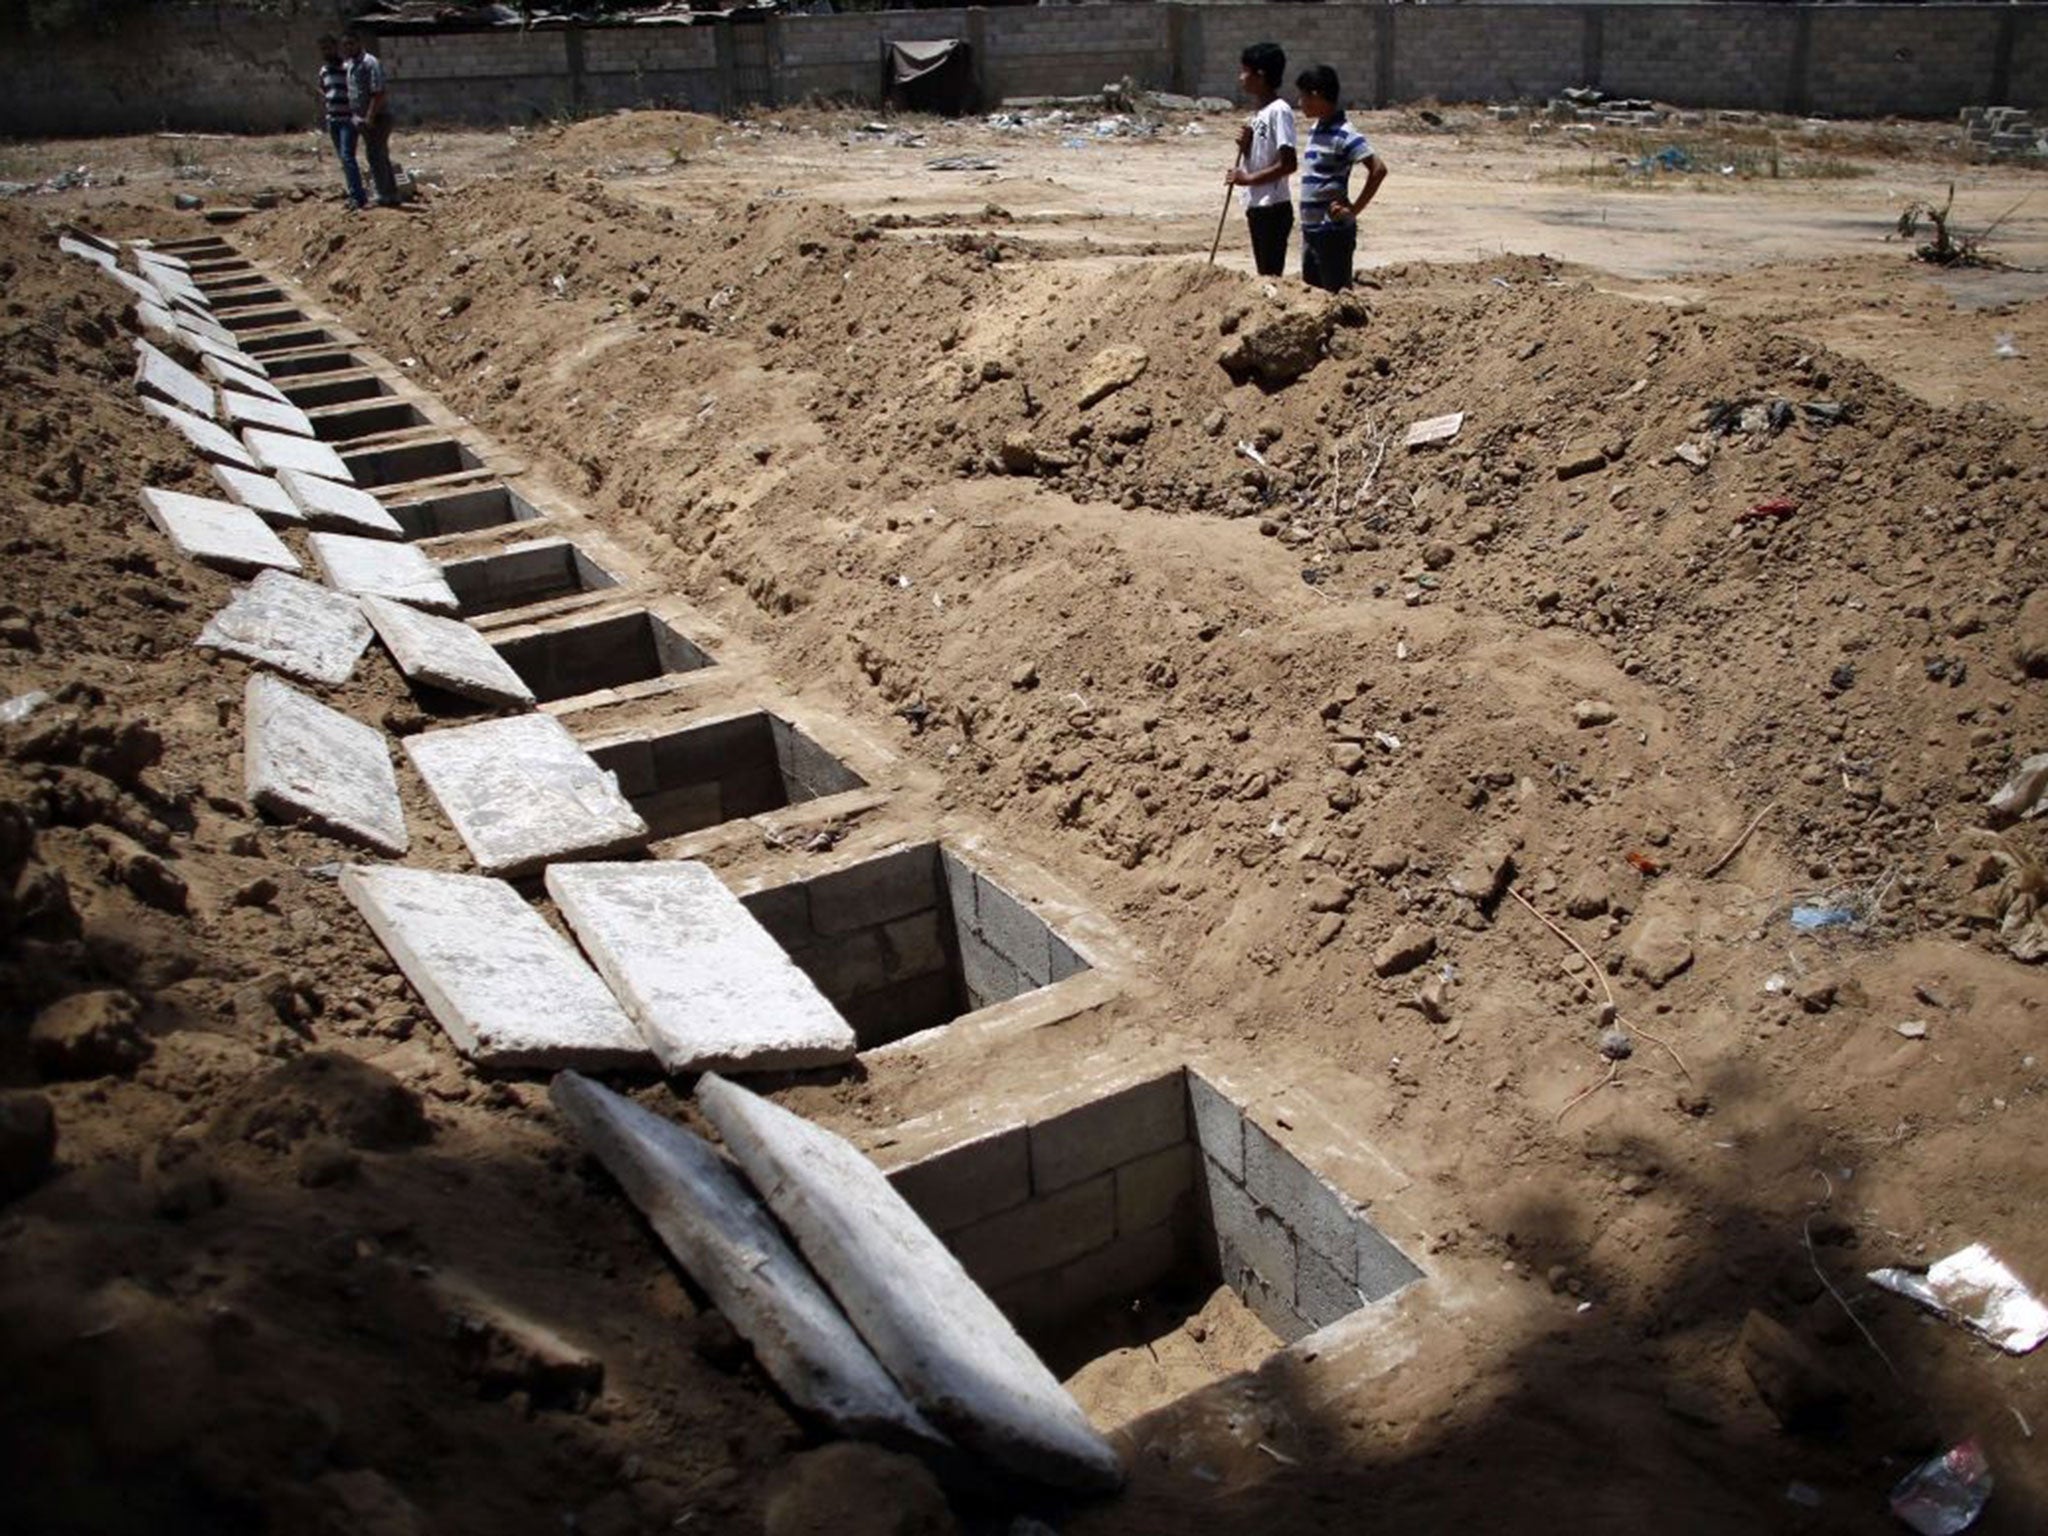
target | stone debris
[
  {"x": 241, "y": 408},
  {"x": 282, "y": 450},
  {"x": 306, "y": 762},
  {"x": 292, "y": 625},
  {"x": 375, "y": 567},
  {"x": 445, "y": 653},
  {"x": 213, "y": 441},
  {"x": 260, "y": 493},
  {"x": 929, "y": 1324},
  {"x": 523, "y": 793},
  {"x": 705, "y": 982},
  {"x": 330, "y": 504},
  {"x": 506, "y": 987},
  {"x": 1110, "y": 370},
  {"x": 718, "y": 1230},
  {"x": 217, "y": 533},
  {"x": 159, "y": 375},
  {"x": 504, "y": 1351},
  {"x": 1437, "y": 429}
]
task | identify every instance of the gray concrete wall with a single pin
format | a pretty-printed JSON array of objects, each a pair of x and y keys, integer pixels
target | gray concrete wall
[{"x": 220, "y": 67}]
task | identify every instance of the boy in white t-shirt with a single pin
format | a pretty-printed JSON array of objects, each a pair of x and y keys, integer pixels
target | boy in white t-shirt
[{"x": 1265, "y": 157}]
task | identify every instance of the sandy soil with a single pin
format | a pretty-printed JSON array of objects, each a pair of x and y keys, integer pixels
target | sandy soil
[{"x": 1164, "y": 641}]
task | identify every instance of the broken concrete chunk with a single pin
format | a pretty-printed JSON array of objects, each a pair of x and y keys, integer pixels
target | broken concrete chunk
[
  {"x": 504, "y": 1351},
  {"x": 1110, "y": 370},
  {"x": 244, "y": 408},
  {"x": 295, "y": 626},
  {"x": 217, "y": 533},
  {"x": 306, "y": 762},
  {"x": 329, "y": 504},
  {"x": 931, "y": 1326},
  {"x": 1406, "y": 948},
  {"x": 1437, "y": 429},
  {"x": 1588, "y": 714},
  {"x": 259, "y": 493},
  {"x": 522, "y": 793},
  {"x": 283, "y": 450},
  {"x": 160, "y": 375},
  {"x": 509, "y": 990},
  {"x": 445, "y": 653},
  {"x": 1581, "y": 458},
  {"x": 719, "y": 1231},
  {"x": 704, "y": 980},
  {"x": 214, "y": 442},
  {"x": 376, "y": 567}
]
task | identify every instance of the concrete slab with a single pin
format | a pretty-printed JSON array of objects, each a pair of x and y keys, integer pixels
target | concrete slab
[
  {"x": 378, "y": 567},
  {"x": 209, "y": 346},
  {"x": 217, "y": 533},
  {"x": 159, "y": 323},
  {"x": 931, "y": 1326},
  {"x": 305, "y": 762},
  {"x": 148, "y": 256},
  {"x": 138, "y": 290},
  {"x": 159, "y": 375},
  {"x": 445, "y": 654},
  {"x": 523, "y": 793},
  {"x": 232, "y": 376},
  {"x": 292, "y": 625},
  {"x": 199, "y": 326},
  {"x": 243, "y": 408},
  {"x": 328, "y": 504},
  {"x": 179, "y": 289},
  {"x": 259, "y": 493},
  {"x": 509, "y": 990},
  {"x": 282, "y": 450},
  {"x": 92, "y": 253},
  {"x": 707, "y": 985},
  {"x": 215, "y": 442},
  {"x": 718, "y": 1230}
]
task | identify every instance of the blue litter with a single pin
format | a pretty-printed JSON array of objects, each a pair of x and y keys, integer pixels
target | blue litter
[{"x": 1806, "y": 919}]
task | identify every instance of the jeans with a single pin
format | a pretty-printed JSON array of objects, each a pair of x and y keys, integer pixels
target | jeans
[
  {"x": 1270, "y": 225},
  {"x": 1326, "y": 252},
  {"x": 376, "y": 146},
  {"x": 343, "y": 132}
]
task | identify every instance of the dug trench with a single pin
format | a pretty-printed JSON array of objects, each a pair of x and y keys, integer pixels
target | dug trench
[{"x": 1290, "y": 727}]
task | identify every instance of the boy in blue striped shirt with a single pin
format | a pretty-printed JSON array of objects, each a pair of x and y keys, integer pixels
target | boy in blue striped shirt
[{"x": 1329, "y": 219}]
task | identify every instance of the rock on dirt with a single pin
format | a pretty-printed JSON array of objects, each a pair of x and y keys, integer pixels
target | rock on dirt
[
  {"x": 28, "y": 1142},
  {"x": 1794, "y": 1383},
  {"x": 851, "y": 1489},
  {"x": 1405, "y": 949},
  {"x": 1110, "y": 370},
  {"x": 324, "y": 1092},
  {"x": 1327, "y": 893},
  {"x": 1581, "y": 458},
  {"x": 1588, "y": 713},
  {"x": 504, "y": 1351},
  {"x": 1659, "y": 950},
  {"x": 1276, "y": 351},
  {"x": 89, "y": 1034},
  {"x": 2030, "y": 636}
]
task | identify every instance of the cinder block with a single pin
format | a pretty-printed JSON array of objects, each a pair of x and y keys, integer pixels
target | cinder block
[
  {"x": 785, "y": 911},
  {"x": 894, "y": 885},
  {"x": 1132, "y": 1263},
  {"x": 960, "y": 891},
  {"x": 914, "y": 945},
  {"x": 1156, "y": 1189},
  {"x": 1323, "y": 1219},
  {"x": 1043, "y": 1233},
  {"x": 1015, "y": 932},
  {"x": 845, "y": 965},
  {"x": 988, "y": 977},
  {"x": 970, "y": 1181},
  {"x": 1066, "y": 960},
  {"x": 1249, "y": 1240},
  {"x": 1219, "y": 1128},
  {"x": 1321, "y": 1293},
  {"x": 1382, "y": 1268},
  {"x": 1103, "y": 1133},
  {"x": 902, "y": 1008}
]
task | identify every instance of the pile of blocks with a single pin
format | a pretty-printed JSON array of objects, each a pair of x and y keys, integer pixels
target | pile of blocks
[{"x": 2001, "y": 132}]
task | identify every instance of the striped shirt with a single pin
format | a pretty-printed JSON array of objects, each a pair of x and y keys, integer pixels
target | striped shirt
[
  {"x": 334, "y": 89},
  {"x": 1334, "y": 146}
]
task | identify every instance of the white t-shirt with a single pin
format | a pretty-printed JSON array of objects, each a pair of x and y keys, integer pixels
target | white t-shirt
[{"x": 1272, "y": 131}]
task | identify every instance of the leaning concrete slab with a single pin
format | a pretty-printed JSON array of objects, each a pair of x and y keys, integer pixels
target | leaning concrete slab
[
  {"x": 306, "y": 762},
  {"x": 283, "y": 450},
  {"x": 208, "y": 346},
  {"x": 168, "y": 380},
  {"x": 259, "y": 493},
  {"x": 522, "y": 793},
  {"x": 217, "y": 533},
  {"x": 719, "y": 1231},
  {"x": 329, "y": 504},
  {"x": 241, "y": 408},
  {"x": 292, "y": 625},
  {"x": 509, "y": 990},
  {"x": 376, "y": 567},
  {"x": 934, "y": 1329},
  {"x": 233, "y": 376},
  {"x": 92, "y": 253},
  {"x": 707, "y": 985},
  {"x": 445, "y": 654},
  {"x": 212, "y": 441},
  {"x": 159, "y": 323}
]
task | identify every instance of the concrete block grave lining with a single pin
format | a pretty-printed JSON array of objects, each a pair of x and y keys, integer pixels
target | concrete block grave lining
[
  {"x": 461, "y": 511},
  {"x": 305, "y": 762},
  {"x": 536, "y": 571},
  {"x": 508, "y": 989},
  {"x": 1067, "y": 1216},
  {"x": 290, "y": 339},
  {"x": 379, "y": 568},
  {"x": 217, "y": 533},
  {"x": 908, "y": 940},
  {"x": 305, "y": 363},
  {"x": 318, "y": 390},
  {"x": 297, "y": 627},
  {"x": 566, "y": 660},
  {"x": 522, "y": 794},
  {"x": 349, "y": 422},
  {"x": 706, "y": 984},
  {"x": 712, "y": 771},
  {"x": 402, "y": 463}
]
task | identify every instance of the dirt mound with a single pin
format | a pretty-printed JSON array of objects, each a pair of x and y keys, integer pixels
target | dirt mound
[{"x": 628, "y": 135}]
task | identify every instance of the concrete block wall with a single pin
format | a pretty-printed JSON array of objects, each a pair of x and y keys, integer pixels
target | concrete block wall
[
  {"x": 532, "y": 572},
  {"x": 1748, "y": 51},
  {"x": 713, "y": 771},
  {"x": 501, "y": 76},
  {"x": 1923, "y": 63},
  {"x": 566, "y": 661}
]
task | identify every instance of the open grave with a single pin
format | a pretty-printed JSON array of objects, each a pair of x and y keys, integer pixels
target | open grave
[
  {"x": 590, "y": 655},
  {"x": 694, "y": 776},
  {"x": 400, "y": 463},
  {"x": 461, "y": 511},
  {"x": 534, "y": 572}
]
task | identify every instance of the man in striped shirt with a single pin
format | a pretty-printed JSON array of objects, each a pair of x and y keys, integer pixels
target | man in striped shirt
[
  {"x": 341, "y": 123},
  {"x": 1329, "y": 218}
]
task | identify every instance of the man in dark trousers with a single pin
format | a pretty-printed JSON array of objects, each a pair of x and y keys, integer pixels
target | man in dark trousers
[
  {"x": 372, "y": 112},
  {"x": 341, "y": 122}
]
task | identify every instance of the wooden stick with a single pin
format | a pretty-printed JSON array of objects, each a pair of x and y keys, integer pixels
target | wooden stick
[
  {"x": 1221, "y": 218},
  {"x": 1736, "y": 847}
]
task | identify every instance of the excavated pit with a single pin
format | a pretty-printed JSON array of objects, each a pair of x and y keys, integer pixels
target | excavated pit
[
  {"x": 323, "y": 391},
  {"x": 698, "y": 776},
  {"x": 596, "y": 654},
  {"x": 467, "y": 511},
  {"x": 342, "y": 425},
  {"x": 402, "y": 463},
  {"x": 295, "y": 340},
  {"x": 307, "y": 363},
  {"x": 912, "y": 941},
  {"x": 536, "y": 572}
]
